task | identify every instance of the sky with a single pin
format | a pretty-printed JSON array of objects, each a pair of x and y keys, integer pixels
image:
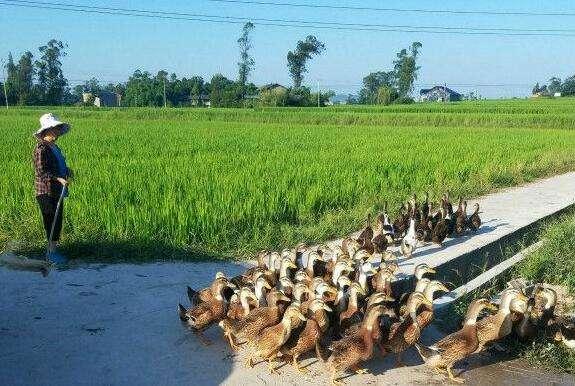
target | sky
[{"x": 111, "y": 47}]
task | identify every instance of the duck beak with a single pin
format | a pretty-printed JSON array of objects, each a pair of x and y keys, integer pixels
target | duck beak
[
  {"x": 443, "y": 288},
  {"x": 389, "y": 299},
  {"x": 182, "y": 312},
  {"x": 284, "y": 298},
  {"x": 430, "y": 270},
  {"x": 326, "y": 307}
]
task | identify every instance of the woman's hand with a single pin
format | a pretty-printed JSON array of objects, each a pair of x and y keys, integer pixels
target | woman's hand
[{"x": 63, "y": 181}]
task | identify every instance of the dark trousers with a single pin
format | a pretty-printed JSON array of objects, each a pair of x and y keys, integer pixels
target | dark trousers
[{"x": 48, "y": 205}]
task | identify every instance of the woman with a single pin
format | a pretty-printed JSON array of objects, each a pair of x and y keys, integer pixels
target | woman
[{"x": 51, "y": 178}]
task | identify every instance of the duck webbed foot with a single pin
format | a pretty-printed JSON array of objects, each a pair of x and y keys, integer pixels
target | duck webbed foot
[{"x": 453, "y": 377}]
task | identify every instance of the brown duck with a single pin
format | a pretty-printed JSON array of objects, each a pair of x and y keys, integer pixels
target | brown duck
[
  {"x": 353, "y": 349},
  {"x": 308, "y": 337},
  {"x": 457, "y": 346}
]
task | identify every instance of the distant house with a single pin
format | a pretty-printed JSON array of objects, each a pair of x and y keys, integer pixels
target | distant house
[
  {"x": 274, "y": 87},
  {"x": 107, "y": 99},
  {"x": 439, "y": 94},
  {"x": 202, "y": 100}
]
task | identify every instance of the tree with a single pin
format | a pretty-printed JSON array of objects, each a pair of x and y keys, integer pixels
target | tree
[
  {"x": 246, "y": 63},
  {"x": 554, "y": 85},
  {"x": 25, "y": 79},
  {"x": 535, "y": 89},
  {"x": 224, "y": 92},
  {"x": 51, "y": 82},
  {"x": 372, "y": 83},
  {"x": 11, "y": 80},
  {"x": 405, "y": 68},
  {"x": 298, "y": 58},
  {"x": 568, "y": 87},
  {"x": 386, "y": 95}
]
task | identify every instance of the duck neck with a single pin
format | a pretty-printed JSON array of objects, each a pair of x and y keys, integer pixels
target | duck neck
[
  {"x": 245, "y": 303},
  {"x": 352, "y": 301},
  {"x": 336, "y": 274},
  {"x": 260, "y": 292},
  {"x": 362, "y": 279}
]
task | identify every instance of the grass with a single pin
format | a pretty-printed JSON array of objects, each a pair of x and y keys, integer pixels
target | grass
[
  {"x": 190, "y": 183},
  {"x": 553, "y": 263}
]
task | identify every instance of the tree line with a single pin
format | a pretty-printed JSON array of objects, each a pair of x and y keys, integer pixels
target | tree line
[
  {"x": 556, "y": 85},
  {"x": 40, "y": 81}
]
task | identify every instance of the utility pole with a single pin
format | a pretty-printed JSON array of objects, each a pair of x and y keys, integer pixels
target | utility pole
[
  {"x": 318, "y": 93},
  {"x": 165, "y": 105},
  {"x": 4, "y": 83}
]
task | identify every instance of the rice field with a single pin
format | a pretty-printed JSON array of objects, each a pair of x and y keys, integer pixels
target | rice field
[{"x": 191, "y": 183}]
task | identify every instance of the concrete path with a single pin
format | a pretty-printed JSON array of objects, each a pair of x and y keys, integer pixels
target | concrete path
[
  {"x": 502, "y": 214},
  {"x": 117, "y": 324}
]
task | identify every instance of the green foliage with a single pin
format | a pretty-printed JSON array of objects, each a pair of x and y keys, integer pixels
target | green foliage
[
  {"x": 298, "y": 58},
  {"x": 386, "y": 95},
  {"x": 52, "y": 86},
  {"x": 398, "y": 83},
  {"x": 237, "y": 180},
  {"x": 274, "y": 98},
  {"x": 555, "y": 261},
  {"x": 405, "y": 69},
  {"x": 246, "y": 63}
]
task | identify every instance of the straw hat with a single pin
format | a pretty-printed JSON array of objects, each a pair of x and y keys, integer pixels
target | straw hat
[{"x": 49, "y": 121}]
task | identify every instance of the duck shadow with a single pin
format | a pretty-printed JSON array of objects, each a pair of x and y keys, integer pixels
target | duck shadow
[{"x": 452, "y": 241}]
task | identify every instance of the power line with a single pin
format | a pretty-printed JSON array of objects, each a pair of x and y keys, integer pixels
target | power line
[
  {"x": 237, "y": 20},
  {"x": 412, "y": 10},
  {"x": 319, "y": 22}
]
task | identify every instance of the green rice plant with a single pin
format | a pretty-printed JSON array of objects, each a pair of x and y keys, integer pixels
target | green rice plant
[{"x": 186, "y": 183}]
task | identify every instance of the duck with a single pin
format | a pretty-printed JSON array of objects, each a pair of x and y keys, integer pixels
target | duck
[
  {"x": 474, "y": 221},
  {"x": 562, "y": 329},
  {"x": 384, "y": 225},
  {"x": 441, "y": 229},
  {"x": 409, "y": 241},
  {"x": 425, "y": 208},
  {"x": 421, "y": 283},
  {"x": 341, "y": 268},
  {"x": 425, "y": 316},
  {"x": 348, "y": 352},
  {"x": 457, "y": 346},
  {"x": 497, "y": 326},
  {"x": 367, "y": 232},
  {"x": 545, "y": 302},
  {"x": 381, "y": 281},
  {"x": 261, "y": 287},
  {"x": 240, "y": 304},
  {"x": 206, "y": 294},
  {"x": 401, "y": 223},
  {"x": 212, "y": 310},
  {"x": 247, "y": 278},
  {"x": 269, "y": 342},
  {"x": 352, "y": 314},
  {"x": 403, "y": 334},
  {"x": 363, "y": 271},
  {"x": 248, "y": 328},
  {"x": 285, "y": 285},
  {"x": 540, "y": 310},
  {"x": 305, "y": 340},
  {"x": 461, "y": 219},
  {"x": 285, "y": 264}
]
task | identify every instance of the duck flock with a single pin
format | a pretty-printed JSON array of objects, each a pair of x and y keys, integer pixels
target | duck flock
[{"x": 337, "y": 302}]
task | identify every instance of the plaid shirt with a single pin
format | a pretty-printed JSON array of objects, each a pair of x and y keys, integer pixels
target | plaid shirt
[{"x": 46, "y": 170}]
